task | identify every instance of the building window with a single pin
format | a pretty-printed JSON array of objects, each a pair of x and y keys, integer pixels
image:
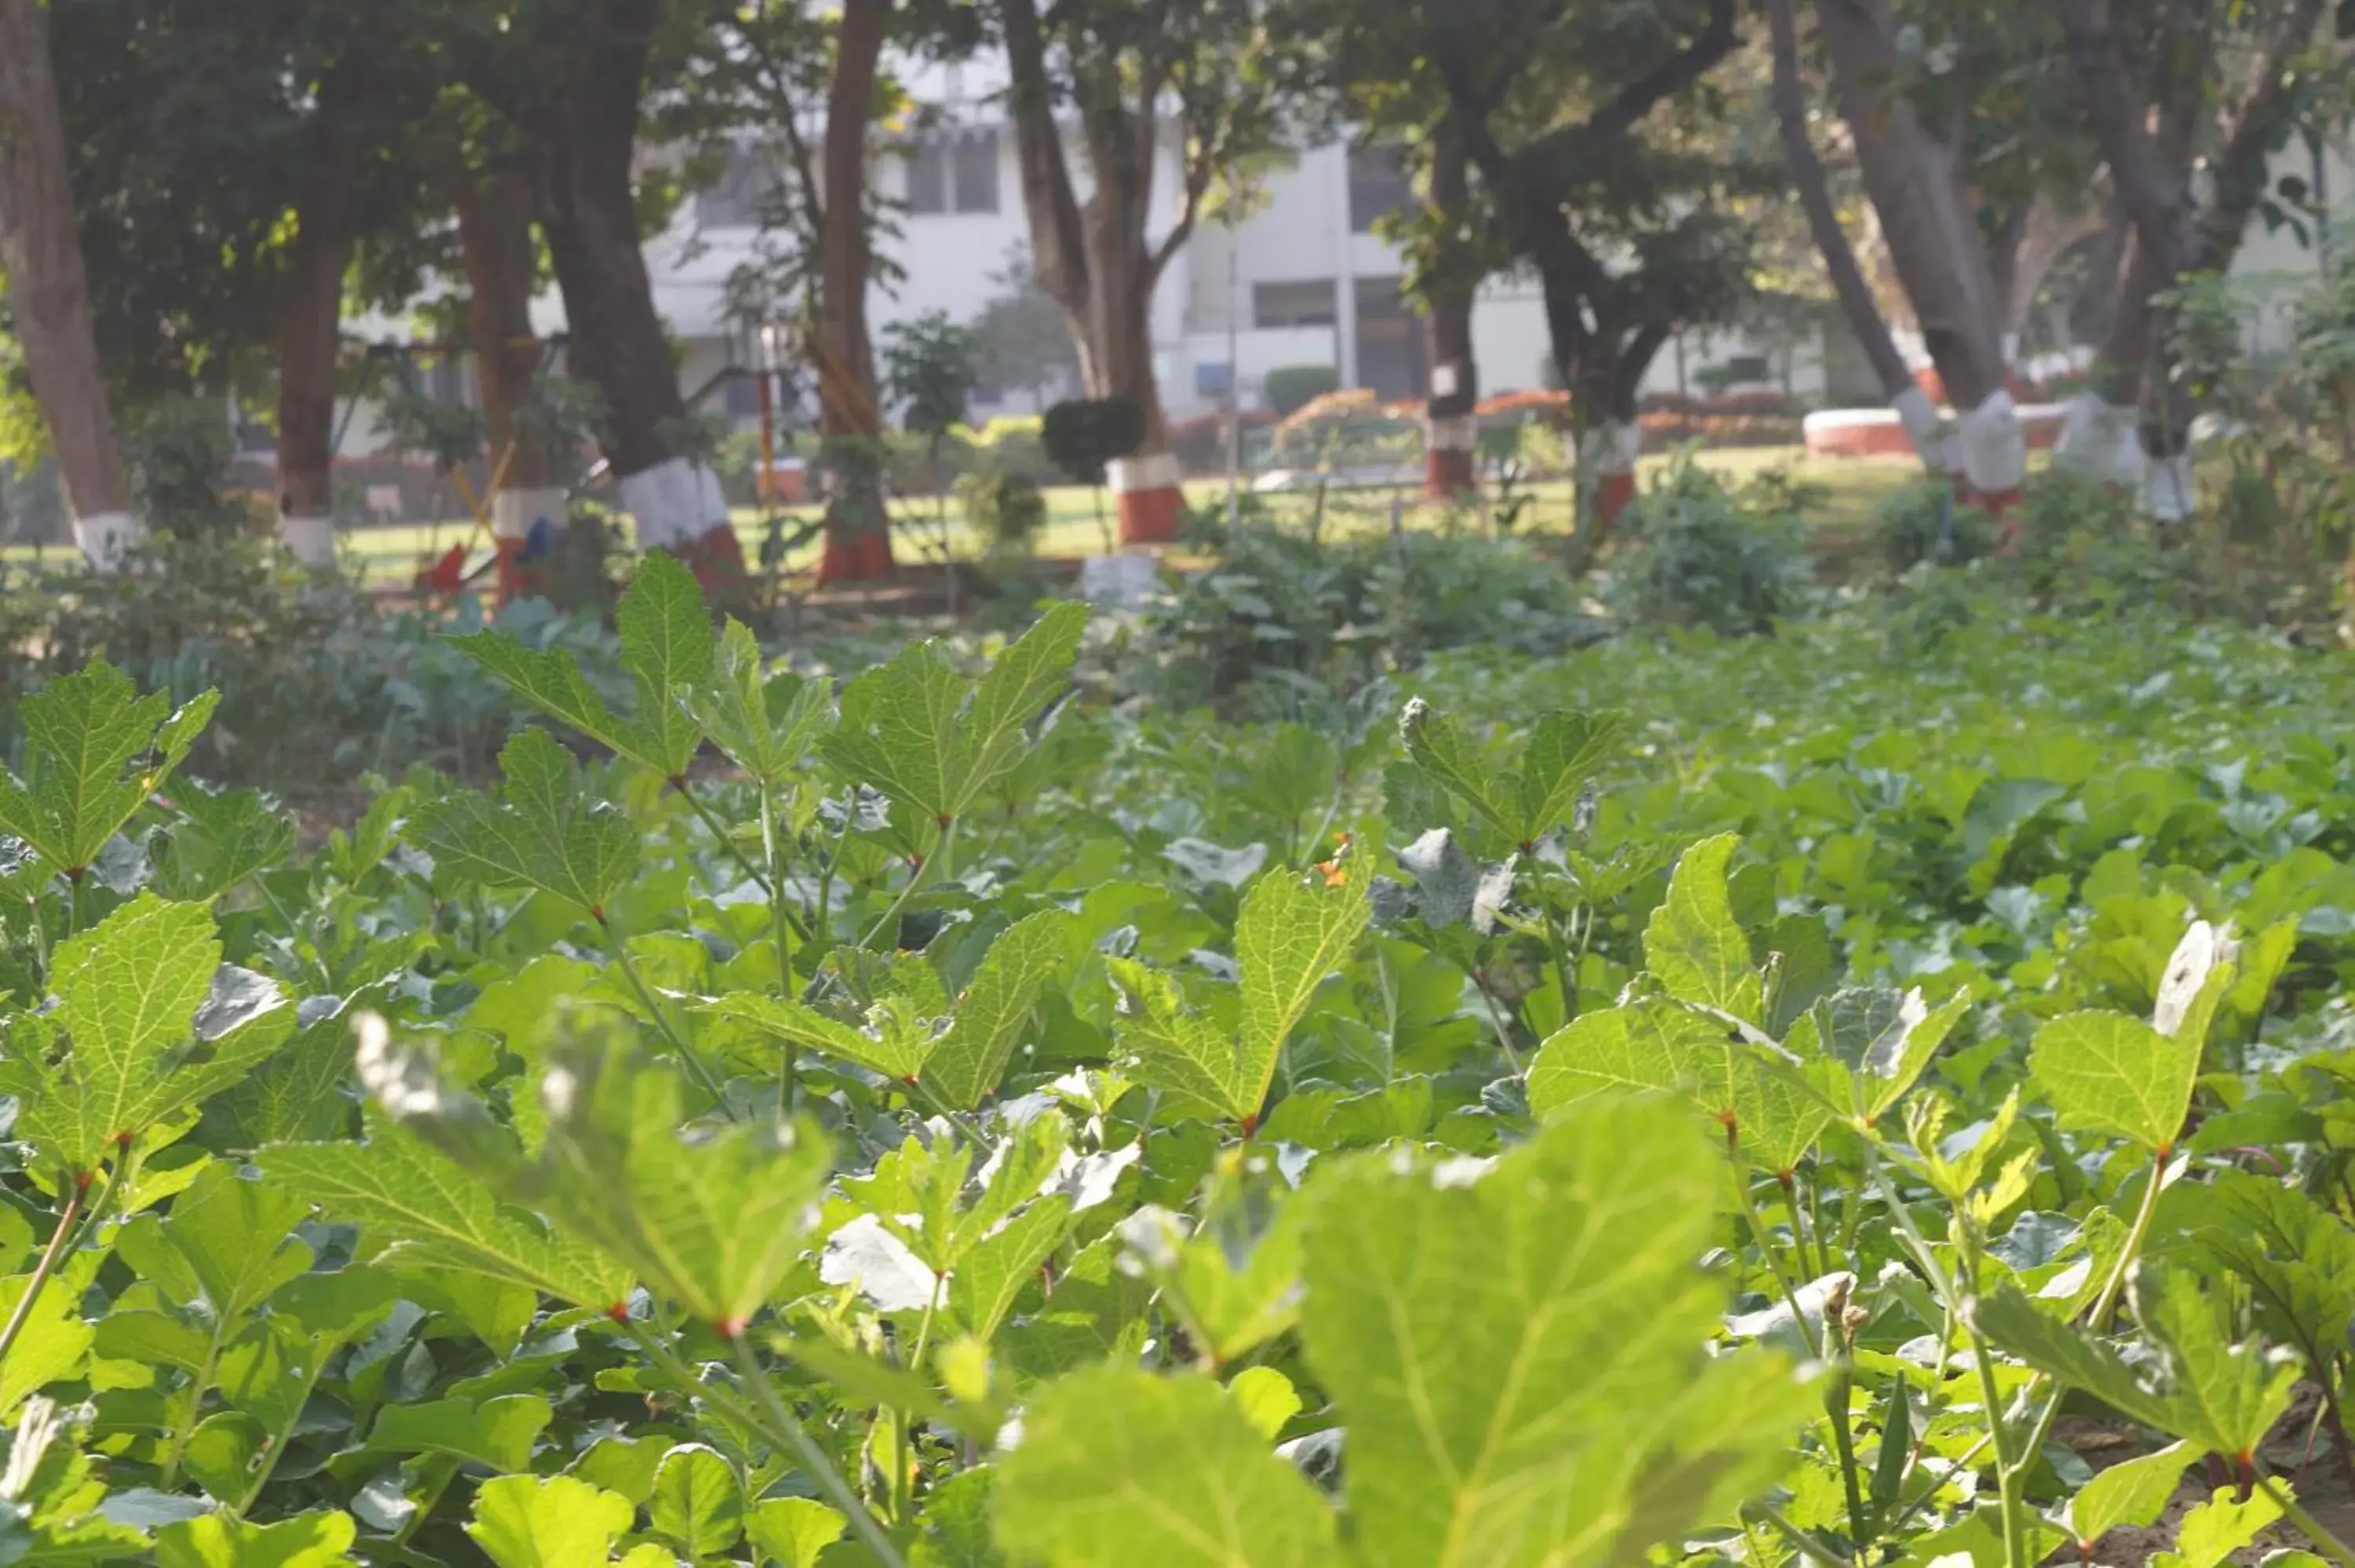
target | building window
[
  {"x": 1302, "y": 305},
  {"x": 740, "y": 195},
  {"x": 956, "y": 173},
  {"x": 976, "y": 165},
  {"x": 1378, "y": 186}
]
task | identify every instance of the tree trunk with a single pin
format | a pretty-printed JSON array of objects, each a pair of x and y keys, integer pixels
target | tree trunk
[
  {"x": 584, "y": 146},
  {"x": 850, "y": 422},
  {"x": 1857, "y": 306},
  {"x": 49, "y": 290},
  {"x": 1094, "y": 260},
  {"x": 1451, "y": 428},
  {"x": 310, "y": 326},
  {"x": 1916, "y": 187},
  {"x": 527, "y": 511}
]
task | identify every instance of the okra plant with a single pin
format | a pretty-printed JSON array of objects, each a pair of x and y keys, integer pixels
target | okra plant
[{"x": 903, "y": 1123}]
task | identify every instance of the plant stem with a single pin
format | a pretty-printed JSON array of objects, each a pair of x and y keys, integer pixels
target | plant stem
[
  {"x": 41, "y": 1272},
  {"x": 686, "y": 1054},
  {"x": 719, "y": 832},
  {"x": 789, "y": 1086},
  {"x": 2329, "y": 1545},
  {"x": 1806, "y": 1545},
  {"x": 941, "y": 847},
  {"x": 1820, "y": 1265},
  {"x": 169, "y": 1470},
  {"x": 805, "y": 1448},
  {"x": 1758, "y": 1231}
]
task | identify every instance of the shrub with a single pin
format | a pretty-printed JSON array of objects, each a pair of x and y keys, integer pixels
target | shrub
[
  {"x": 1086, "y": 434},
  {"x": 179, "y": 452},
  {"x": 1291, "y": 388},
  {"x": 1922, "y": 523},
  {"x": 1695, "y": 554},
  {"x": 1005, "y": 509}
]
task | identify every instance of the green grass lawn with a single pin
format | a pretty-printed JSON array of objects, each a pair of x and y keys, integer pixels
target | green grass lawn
[{"x": 1075, "y": 526}]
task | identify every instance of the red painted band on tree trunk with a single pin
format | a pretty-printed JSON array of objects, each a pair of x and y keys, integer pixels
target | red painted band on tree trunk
[
  {"x": 1447, "y": 473},
  {"x": 863, "y": 558},
  {"x": 1151, "y": 516},
  {"x": 1613, "y": 492}
]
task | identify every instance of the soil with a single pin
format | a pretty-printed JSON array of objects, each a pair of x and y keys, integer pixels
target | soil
[{"x": 2316, "y": 1471}]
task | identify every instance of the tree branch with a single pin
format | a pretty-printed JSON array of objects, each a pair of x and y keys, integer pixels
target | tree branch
[
  {"x": 2157, "y": 197},
  {"x": 2240, "y": 169},
  {"x": 1672, "y": 76},
  {"x": 1057, "y": 247}
]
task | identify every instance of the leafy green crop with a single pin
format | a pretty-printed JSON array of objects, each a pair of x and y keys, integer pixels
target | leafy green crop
[{"x": 928, "y": 1120}]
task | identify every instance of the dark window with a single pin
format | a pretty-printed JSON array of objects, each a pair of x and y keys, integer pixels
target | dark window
[
  {"x": 1390, "y": 342},
  {"x": 1378, "y": 185},
  {"x": 1300, "y": 304},
  {"x": 975, "y": 167},
  {"x": 1747, "y": 367},
  {"x": 928, "y": 176}
]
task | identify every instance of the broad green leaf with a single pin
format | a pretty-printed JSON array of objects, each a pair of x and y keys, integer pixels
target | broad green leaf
[
  {"x": 226, "y": 838},
  {"x": 1693, "y": 945},
  {"x": 2222, "y": 1525},
  {"x": 790, "y": 1531},
  {"x": 1167, "y": 1045},
  {"x": 919, "y": 731},
  {"x": 435, "y": 1214},
  {"x": 1880, "y": 1040},
  {"x": 897, "y": 1053},
  {"x": 2297, "y": 1256},
  {"x": 498, "y": 1433},
  {"x": 766, "y": 724},
  {"x": 698, "y": 1503},
  {"x": 2106, "y": 1072},
  {"x": 1516, "y": 1355},
  {"x": 1563, "y": 754},
  {"x": 235, "y": 1236},
  {"x": 1289, "y": 937},
  {"x": 1266, "y": 1397},
  {"x": 219, "y": 1541},
  {"x": 711, "y": 1224},
  {"x": 666, "y": 646},
  {"x": 540, "y": 829},
  {"x": 2136, "y": 1492},
  {"x": 295, "y": 1096},
  {"x": 49, "y": 1347},
  {"x": 1648, "y": 1045},
  {"x": 96, "y": 750},
  {"x": 1442, "y": 753},
  {"x": 1118, "y": 1466},
  {"x": 970, "y": 1059},
  {"x": 551, "y": 1522},
  {"x": 148, "y": 1032},
  {"x": 992, "y": 1275},
  {"x": 1233, "y": 1295}
]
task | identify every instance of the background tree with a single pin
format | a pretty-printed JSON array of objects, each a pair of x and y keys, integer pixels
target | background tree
[
  {"x": 1132, "y": 76},
  {"x": 2180, "y": 98},
  {"x": 48, "y": 288},
  {"x": 1021, "y": 343}
]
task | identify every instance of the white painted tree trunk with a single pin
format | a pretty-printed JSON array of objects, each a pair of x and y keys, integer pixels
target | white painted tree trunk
[{"x": 673, "y": 503}]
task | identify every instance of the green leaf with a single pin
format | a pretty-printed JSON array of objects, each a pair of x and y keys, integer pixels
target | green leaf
[
  {"x": 1118, "y": 1466},
  {"x": 969, "y": 1061},
  {"x": 1648, "y": 1045},
  {"x": 926, "y": 736},
  {"x": 698, "y": 1503},
  {"x": 711, "y": 1224},
  {"x": 84, "y": 735},
  {"x": 2106, "y": 1072},
  {"x": 766, "y": 724},
  {"x": 137, "y": 1053},
  {"x": 226, "y": 838},
  {"x": 549, "y": 678},
  {"x": 235, "y": 1236},
  {"x": 1166, "y": 1045},
  {"x": 1442, "y": 753},
  {"x": 2222, "y": 1525},
  {"x": 2297, "y": 1256},
  {"x": 1289, "y": 937},
  {"x": 2136, "y": 1492},
  {"x": 499, "y": 1433},
  {"x": 994, "y": 1273},
  {"x": 1563, "y": 754},
  {"x": 540, "y": 831},
  {"x": 792, "y": 1532},
  {"x": 1517, "y": 1357},
  {"x": 897, "y": 1053},
  {"x": 553, "y": 1521},
  {"x": 1266, "y": 1398},
  {"x": 1693, "y": 945},
  {"x": 435, "y": 1214},
  {"x": 49, "y": 1347},
  {"x": 218, "y": 1541}
]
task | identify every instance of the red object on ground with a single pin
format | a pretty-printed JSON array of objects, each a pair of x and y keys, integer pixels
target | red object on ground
[
  {"x": 864, "y": 557},
  {"x": 1151, "y": 516},
  {"x": 1613, "y": 492},
  {"x": 447, "y": 574}
]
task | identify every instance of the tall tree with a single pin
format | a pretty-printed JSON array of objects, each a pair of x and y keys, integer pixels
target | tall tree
[
  {"x": 49, "y": 289},
  {"x": 1592, "y": 139},
  {"x": 1449, "y": 263},
  {"x": 1136, "y": 78},
  {"x": 2214, "y": 93}
]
